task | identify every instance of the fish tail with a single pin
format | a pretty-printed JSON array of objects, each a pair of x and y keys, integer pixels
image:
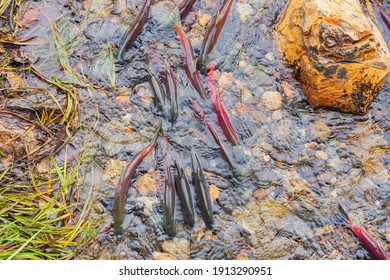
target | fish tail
[{"x": 341, "y": 218}]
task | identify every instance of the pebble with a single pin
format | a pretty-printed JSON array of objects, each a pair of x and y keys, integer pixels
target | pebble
[
  {"x": 320, "y": 130},
  {"x": 288, "y": 90},
  {"x": 272, "y": 100},
  {"x": 277, "y": 115},
  {"x": 241, "y": 109},
  {"x": 244, "y": 11},
  {"x": 335, "y": 255},
  {"x": 381, "y": 177},
  {"x": 146, "y": 184},
  {"x": 242, "y": 256},
  {"x": 321, "y": 155},
  {"x": 295, "y": 181},
  {"x": 387, "y": 234},
  {"x": 242, "y": 63},
  {"x": 246, "y": 94},
  {"x": 261, "y": 193},
  {"x": 15, "y": 81},
  {"x": 226, "y": 80},
  {"x": 178, "y": 247},
  {"x": 148, "y": 205},
  {"x": 336, "y": 163},
  {"x": 270, "y": 56},
  {"x": 204, "y": 19},
  {"x": 342, "y": 145},
  {"x": 214, "y": 192},
  {"x": 236, "y": 49},
  {"x": 163, "y": 256},
  {"x": 326, "y": 177},
  {"x": 144, "y": 93},
  {"x": 324, "y": 230},
  {"x": 112, "y": 171}
]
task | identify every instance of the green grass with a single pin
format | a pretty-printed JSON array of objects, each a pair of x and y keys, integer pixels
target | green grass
[
  {"x": 4, "y": 5},
  {"x": 44, "y": 209},
  {"x": 48, "y": 221}
]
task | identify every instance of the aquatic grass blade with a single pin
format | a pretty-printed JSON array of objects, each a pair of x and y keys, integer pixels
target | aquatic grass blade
[
  {"x": 4, "y": 5},
  {"x": 25, "y": 244},
  {"x": 213, "y": 33},
  {"x": 121, "y": 193},
  {"x": 169, "y": 203},
  {"x": 135, "y": 28},
  {"x": 202, "y": 191},
  {"x": 220, "y": 110},
  {"x": 84, "y": 212},
  {"x": 183, "y": 191}
]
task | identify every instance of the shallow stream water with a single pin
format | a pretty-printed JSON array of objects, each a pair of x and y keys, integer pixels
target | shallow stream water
[{"x": 292, "y": 168}]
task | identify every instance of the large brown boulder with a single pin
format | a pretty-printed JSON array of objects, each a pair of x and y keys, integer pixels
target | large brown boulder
[{"x": 338, "y": 50}]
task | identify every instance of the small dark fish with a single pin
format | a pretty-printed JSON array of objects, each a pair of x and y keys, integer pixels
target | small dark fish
[
  {"x": 185, "y": 6},
  {"x": 220, "y": 110},
  {"x": 169, "y": 203},
  {"x": 135, "y": 29},
  {"x": 124, "y": 185},
  {"x": 202, "y": 191},
  {"x": 203, "y": 117},
  {"x": 154, "y": 61},
  {"x": 213, "y": 32},
  {"x": 373, "y": 248},
  {"x": 381, "y": 12},
  {"x": 157, "y": 89},
  {"x": 171, "y": 92},
  {"x": 183, "y": 191},
  {"x": 189, "y": 60}
]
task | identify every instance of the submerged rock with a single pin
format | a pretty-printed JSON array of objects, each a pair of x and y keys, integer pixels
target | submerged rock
[
  {"x": 338, "y": 50},
  {"x": 177, "y": 247}
]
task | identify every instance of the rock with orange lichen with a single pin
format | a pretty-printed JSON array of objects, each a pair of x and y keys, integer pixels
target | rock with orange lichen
[{"x": 338, "y": 50}]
